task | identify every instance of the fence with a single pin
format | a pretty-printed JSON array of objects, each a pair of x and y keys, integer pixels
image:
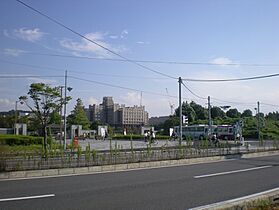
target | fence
[{"x": 59, "y": 159}]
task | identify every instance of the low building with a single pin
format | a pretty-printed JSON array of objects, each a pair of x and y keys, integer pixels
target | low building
[{"x": 154, "y": 121}]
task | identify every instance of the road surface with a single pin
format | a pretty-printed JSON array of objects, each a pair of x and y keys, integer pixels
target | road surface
[{"x": 181, "y": 187}]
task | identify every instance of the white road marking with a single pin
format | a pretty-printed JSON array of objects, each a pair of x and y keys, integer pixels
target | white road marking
[
  {"x": 245, "y": 198},
  {"x": 27, "y": 197},
  {"x": 231, "y": 172}
]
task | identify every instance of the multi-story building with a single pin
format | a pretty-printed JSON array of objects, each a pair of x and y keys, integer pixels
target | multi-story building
[
  {"x": 133, "y": 116},
  {"x": 117, "y": 115},
  {"x": 95, "y": 113}
]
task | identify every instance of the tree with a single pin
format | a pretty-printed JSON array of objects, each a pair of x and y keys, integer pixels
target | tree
[
  {"x": 78, "y": 116},
  {"x": 217, "y": 112},
  {"x": 188, "y": 111},
  {"x": 201, "y": 112},
  {"x": 46, "y": 100},
  {"x": 233, "y": 113},
  {"x": 170, "y": 123},
  {"x": 94, "y": 125},
  {"x": 247, "y": 113}
]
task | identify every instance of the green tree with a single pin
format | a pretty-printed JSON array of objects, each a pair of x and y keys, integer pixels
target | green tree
[
  {"x": 188, "y": 111},
  {"x": 170, "y": 123},
  {"x": 46, "y": 100},
  {"x": 217, "y": 112},
  {"x": 201, "y": 112},
  {"x": 233, "y": 113},
  {"x": 78, "y": 116},
  {"x": 247, "y": 113},
  {"x": 94, "y": 125}
]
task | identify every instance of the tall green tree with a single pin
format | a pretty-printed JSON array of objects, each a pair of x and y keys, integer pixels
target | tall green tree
[
  {"x": 201, "y": 112},
  {"x": 247, "y": 113},
  {"x": 217, "y": 112},
  {"x": 233, "y": 113},
  {"x": 44, "y": 101},
  {"x": 78, "y": 116},
  {"x": 188, "y": 111},
  {"x": 170, "y": 123}
]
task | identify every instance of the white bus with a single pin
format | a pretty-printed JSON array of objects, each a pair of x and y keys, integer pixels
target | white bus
[{"x": 195, "y": 131}]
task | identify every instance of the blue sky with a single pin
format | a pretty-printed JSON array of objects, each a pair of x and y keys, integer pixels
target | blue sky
[{"x": 209, "y": 31}]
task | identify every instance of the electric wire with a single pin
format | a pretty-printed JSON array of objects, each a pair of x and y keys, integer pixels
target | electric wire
[
  {"x": 200, "y": 97},
  {"x": 92, "y": 41},
  {"x": 27, "y": 76},
  {"x": 267, "y": 104},
  {"x": 81, "y": 72},
  {"x": 232, "y": 80},
  {"x": 149, "y": 61},
  {"x": 121, "y": 87}
]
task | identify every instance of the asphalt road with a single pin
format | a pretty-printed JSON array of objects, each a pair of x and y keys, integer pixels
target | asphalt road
[{"x": 180, "y": 187}]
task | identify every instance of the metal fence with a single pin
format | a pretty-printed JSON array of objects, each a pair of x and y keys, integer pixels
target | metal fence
[{"x": 59, "y": 159}]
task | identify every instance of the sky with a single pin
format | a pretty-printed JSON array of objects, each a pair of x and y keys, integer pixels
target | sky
[{"x": 214, "y": 33}]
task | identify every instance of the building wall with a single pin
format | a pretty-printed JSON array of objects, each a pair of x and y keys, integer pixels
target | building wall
[
  {"x": 135, "y": 115},
  {"x": 117, "y": 115}
]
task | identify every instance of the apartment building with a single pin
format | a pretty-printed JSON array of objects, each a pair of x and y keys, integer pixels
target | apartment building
[{"x": 117, "y": 115}]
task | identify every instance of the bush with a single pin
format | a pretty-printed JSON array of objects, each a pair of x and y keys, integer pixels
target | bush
[
  {"x": 19, "y": 140},
  {"x": 136, "y": 136}
]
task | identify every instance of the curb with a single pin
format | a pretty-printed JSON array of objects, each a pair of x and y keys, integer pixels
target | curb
[
  {"x": 122, "y": 167},
  {"x": 246, "y": 202}
]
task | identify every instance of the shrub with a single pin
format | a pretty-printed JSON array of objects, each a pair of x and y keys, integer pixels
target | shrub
[{"x": 19, "y": 140}]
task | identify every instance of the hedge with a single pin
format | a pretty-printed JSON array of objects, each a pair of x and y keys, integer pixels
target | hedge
[
  {"x": 134, "y": 136},
  {"x": 20, "y": 140}
]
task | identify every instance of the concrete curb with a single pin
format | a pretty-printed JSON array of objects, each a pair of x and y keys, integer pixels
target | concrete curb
[
  {"x": 246, "y": 202},
  {"x": 120, "y": 167}
]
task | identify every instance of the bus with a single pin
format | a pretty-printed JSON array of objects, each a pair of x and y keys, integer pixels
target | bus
[
  {"x": 195, "y": 131},
  {"x": 227, "y": 132}
]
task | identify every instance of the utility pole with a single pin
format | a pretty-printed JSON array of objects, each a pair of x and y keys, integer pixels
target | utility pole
[
  {"x": 259, "y": 130},
  {"x": 65, "y": 111},
  {"x": 209, "y": 118},
  {"x": 15, "y": 117},
  {"x": 180, "y": 112},
  {"x": 61, "y": 125}
]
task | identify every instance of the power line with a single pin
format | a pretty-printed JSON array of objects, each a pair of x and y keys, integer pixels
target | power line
[
  {"x": 200, "y": 97},
  {"x": 93, "y": 42},
  {"x": 25, "y": 76},
  {"x": 31, "y": 66},
  {"x": 232, "y": 80},
  {"x": 121, "y": 87},
  {"x": 81, "y": 72},
  {"x": 213, "y": 98},
  {"x": 150, "y": 61},
  {"x": 274, "y": 105}
]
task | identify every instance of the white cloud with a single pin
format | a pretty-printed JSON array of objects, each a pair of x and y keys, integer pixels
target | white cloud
[
  {"x": 131, "y": 98},
  {"x": 13, "y": 52},
  {"x": 91, "y": 100},
  {"x": 124, "y": 34},
  {"x": 141, "y": 42},
  {"x": 45, "y": 81},
  {"x": 6, "y": 102},
  {"x": 221, "y": 61},
  {"x": 86, "y": 46},
  {"x": 31, "y": 35},
  {"x": 113, "y": 36}
]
